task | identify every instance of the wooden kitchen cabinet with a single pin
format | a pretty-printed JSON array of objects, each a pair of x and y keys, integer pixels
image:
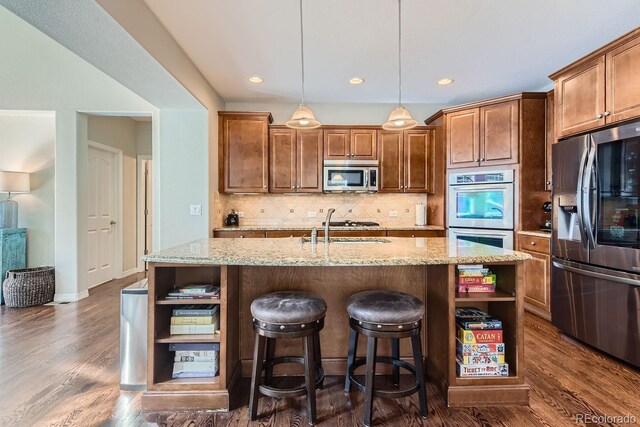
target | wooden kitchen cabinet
[
  {"x": 600, "y": 89},
  {"x": 415, "y": 233},
  {"x": 243, "y": 141},
  {"x": 406, "y": 161},
  {"x": 350, "y": 144},
  {"x": 463, "y": 138},
  {"x": 483, "y": 136},
  {"x": 238, "y": 234},
  {"x": 550, "y": 137},
  {"x": 537, "y": 274},
  {"x": 295, "y": 159},
  {"x": 499, "y": 128}
]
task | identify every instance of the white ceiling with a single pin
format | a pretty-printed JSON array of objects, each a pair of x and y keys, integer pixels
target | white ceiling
[
  {"x": 490, "y": 48},
  {"x": 86, "y": 29}
]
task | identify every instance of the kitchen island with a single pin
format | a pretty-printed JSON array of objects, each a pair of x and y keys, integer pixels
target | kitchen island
[{"x": 247, "y": 268}]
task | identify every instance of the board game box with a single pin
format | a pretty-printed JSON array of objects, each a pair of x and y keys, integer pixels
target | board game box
[{"x": 490, "y": 370}]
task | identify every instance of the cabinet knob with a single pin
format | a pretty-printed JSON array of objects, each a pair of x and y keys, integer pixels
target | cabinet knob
[
  {"x": 293, "y": 186},
  {"x": 599, "y": 116},
  {"x": 413, "y": 235},
  {"x": 607, "y": 113},
  {"x": 482, "y": 159},
  {"x": 264, "y": 186},
  {"x": 533, "y": 243},
  {"x": 242, "y": 236},
  {"x": 548, "y": 182},
  {"x": 477, "y": 160}
]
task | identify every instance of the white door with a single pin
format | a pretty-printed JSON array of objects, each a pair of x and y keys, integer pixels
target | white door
[{"x": 101, "y": 218}]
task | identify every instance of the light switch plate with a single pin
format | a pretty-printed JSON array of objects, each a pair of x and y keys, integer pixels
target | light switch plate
[
  {"x": 196, "y": 209},
  {"x": 393, "y": 213},
  {"x": 240, "y": 214},
  {"x": 312, "y": 214}
]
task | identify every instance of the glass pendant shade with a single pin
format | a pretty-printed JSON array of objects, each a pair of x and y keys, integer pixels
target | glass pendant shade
[
  {"x": 399, "y": 119},
  {"x": 303, "y": 118}
]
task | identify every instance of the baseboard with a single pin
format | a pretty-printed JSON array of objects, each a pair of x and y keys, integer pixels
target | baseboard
[{"x": 71, "y": 297}]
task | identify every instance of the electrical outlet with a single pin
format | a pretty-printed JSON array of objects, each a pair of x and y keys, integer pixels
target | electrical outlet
[
  {"x": 393, "y": 213},
  {"x": 312, "y": 214},
  {"x": 196, "y": 210},
  {"x": 240, "y": 214}
]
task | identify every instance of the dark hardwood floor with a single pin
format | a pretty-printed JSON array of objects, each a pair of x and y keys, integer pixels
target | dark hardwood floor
[{"x": 59, "y": 367}]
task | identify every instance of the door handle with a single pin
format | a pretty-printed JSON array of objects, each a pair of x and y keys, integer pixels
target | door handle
[{"x": 112, "y": 222}]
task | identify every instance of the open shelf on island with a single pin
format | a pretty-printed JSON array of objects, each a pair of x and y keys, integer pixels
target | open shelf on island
[
  {"x": 206, "y": 301},
  {"x": 498, "y": 295},
  {"x": 166, "y": 337}
]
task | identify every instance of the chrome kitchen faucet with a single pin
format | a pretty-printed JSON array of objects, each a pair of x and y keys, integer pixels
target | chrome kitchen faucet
[{"x": 326, "y": 225}]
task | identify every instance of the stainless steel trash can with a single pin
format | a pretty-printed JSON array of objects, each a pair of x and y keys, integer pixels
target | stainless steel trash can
[{"x": 133, "y": 336}]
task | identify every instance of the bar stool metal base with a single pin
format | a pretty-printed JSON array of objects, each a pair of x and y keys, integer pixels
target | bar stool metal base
[
  {"x": 394, "y": 332},
  {"x": 266, "y": 335}
]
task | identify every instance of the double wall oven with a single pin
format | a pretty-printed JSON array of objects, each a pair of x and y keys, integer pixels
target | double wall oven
[
  {"x": 595, "y": 282},
  {"x": 481, "y": 207}
]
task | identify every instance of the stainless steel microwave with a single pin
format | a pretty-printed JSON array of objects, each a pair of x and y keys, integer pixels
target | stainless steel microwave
[{"x": 356, "y": 176}]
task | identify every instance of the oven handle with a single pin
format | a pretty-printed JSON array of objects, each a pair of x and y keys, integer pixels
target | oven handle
[{"x": 475, "y": 188}]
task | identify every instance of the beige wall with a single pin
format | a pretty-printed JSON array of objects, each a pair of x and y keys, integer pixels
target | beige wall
[
  {"x": 27, "y": 144},
  {"x": 143, "y": 138},
  {"x": 121, "y": 133}
]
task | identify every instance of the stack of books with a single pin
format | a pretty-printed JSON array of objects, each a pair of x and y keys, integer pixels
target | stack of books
[
  {"x": 195, "y": 319},
  {"x": 475, "y": 278},
  {"x": 197, "y": 291},
  {"x": 195, "y": 360},
  {"x": 480, "y": 347}
]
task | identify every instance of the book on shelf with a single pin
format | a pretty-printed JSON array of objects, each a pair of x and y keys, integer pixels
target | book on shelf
[
  {"x": 196, "y": 369},
  {"x": 482, "y": 370},
  {"x": 479, "y": 336},
  {"x": 484, "y": 359},
  {"x": 193, "y": 320},
  {"x": 474, "y": 318},
  {"x": 195, "y": 310},
  {"x": 489, "y": 279},
  {"x": 198, "y": 289},
  {"x": 195, "y": 346},
  {"x": 478, "y": 349},
  {"x": 196, "y": 356},
  {"x": 182, "y": 374},
  {"x": 181, "y": 296},
  {"x": 475, "y": 288},
  {"x": 193, "y": 329}
]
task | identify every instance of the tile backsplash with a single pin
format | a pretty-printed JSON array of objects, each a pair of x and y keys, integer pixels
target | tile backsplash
[{"x": 294, "y": 209}]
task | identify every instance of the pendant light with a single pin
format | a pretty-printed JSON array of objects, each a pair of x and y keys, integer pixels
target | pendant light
[
  {"x": 400, "y": 118},
  {"x": 303, "y": 117}
]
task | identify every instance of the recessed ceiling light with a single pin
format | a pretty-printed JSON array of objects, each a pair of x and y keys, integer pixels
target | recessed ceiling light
[
  {"x": 356, "y": 80},
  {"x": 256, "y": 79},
  {"x": 444, "y": 82}
]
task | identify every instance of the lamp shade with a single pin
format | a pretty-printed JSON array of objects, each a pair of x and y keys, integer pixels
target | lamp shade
[
  {"x": 14, "y": 182},
  {"x": 399, "y": 119},
  {"x": 303, "y": 118}
]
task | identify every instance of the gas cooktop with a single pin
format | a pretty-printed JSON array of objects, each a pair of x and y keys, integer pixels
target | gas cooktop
[{"x": 348, "y": 223}]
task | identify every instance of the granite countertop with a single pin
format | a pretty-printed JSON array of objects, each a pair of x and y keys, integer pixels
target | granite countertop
[
  {"x": 291, "y": 252},
  {"x": 536, "y": 233},
  {"x": 309, "y": 227}
]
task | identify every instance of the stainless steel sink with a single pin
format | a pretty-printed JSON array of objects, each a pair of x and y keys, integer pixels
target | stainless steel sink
[{"x": 350, "y": 240}]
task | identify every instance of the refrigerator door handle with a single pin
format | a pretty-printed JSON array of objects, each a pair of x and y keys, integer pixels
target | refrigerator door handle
[
  {"x": 598, "y": 274},
  {"x": 580, "y": 201},
  {"x": 588, "y": 176}
]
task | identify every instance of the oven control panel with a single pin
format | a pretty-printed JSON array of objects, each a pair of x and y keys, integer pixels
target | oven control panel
[{"x": 487, "y": 177}]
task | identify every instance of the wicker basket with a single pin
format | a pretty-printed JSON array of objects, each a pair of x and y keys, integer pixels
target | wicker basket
[{"x": 29, "y": 286}]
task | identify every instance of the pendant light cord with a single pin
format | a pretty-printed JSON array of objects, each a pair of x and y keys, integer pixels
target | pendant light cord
[
  {"x": 302, "y": 52},
  {"x": 399, "y": 52}
]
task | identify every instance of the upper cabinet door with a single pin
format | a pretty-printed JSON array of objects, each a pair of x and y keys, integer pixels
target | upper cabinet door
[
  {"x": 418, "y": 161},
  {"x": 391, "y": 157},
  {"x": 462, "y": 132},
  {"x": 623, "y": 82},
  {"x": 363, "y": 144},
  {"x": 499, "y": 132},
  {"x": 282, "y": 159},
  {"x": 244, "y": 139},
  {"x": 337, "y": 145},
  {"x": 309, "y": 161},
  {"x": 580, "y": 98}
]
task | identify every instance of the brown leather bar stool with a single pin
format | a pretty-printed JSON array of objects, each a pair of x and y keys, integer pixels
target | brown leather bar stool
[
  {"x": 287, "y": 314},
  {"x": 390, "y": 315}
]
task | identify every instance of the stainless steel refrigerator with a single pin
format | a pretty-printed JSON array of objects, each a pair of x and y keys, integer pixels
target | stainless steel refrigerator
[{"x": 595, "y": 273}]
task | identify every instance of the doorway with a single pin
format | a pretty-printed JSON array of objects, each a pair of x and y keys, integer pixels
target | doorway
[
  {"x": 145, "y": 211},
  {"x": 103, "y": 166}
]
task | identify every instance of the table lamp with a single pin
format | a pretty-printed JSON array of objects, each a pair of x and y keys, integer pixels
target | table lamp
[{"x": 11, "y": 182}]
